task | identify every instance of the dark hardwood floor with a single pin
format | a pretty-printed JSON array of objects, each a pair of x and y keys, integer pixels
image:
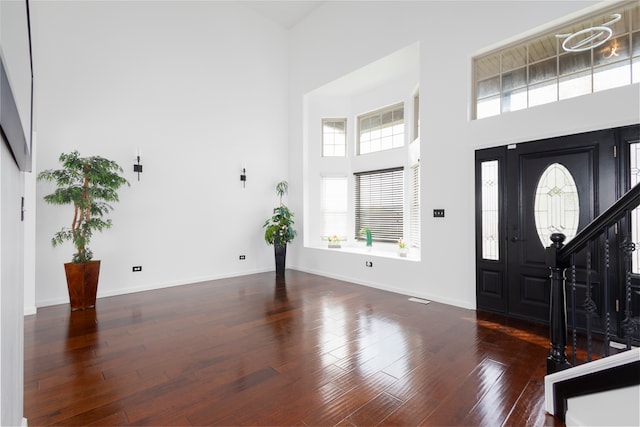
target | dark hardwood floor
[{"x": 308, "y": 350}]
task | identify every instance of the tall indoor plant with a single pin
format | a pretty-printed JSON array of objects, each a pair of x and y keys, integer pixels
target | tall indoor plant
[
  {"x": 279, "y": 230},
  {"x": 89, "y": 184}
]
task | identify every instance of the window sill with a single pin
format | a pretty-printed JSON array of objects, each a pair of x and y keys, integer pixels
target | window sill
[{"x": 376, "y": 251}]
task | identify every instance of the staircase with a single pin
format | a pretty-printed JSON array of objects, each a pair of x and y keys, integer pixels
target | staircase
[{"x": 595, "y": 392}]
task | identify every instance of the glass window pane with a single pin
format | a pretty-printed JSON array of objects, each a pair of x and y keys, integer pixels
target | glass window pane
[
  {"x": 618, "y": 25},
  {"x": 543, "y": 48},
  {"x": 543, "y": 93},
  {"x": 634, "y": 178},
  {"x": 514, "y": 58},
  {"x": 333, "y": 137},
  {"x": 514, "y": 79},
  {"x": 610, "y": 76},
  {"x": 575, "y": 85},
  {"x": 514, "y": 100},
  {"x": 385, "y": 130},
  {"x": 334, "y": 205},
  {"x": 490, "y": 210},
  {"x": 556, "y": 204},
  {"x": 635, "y": 42},
  {"x": 487, "y": 67},
  {"x": 398, "y": 115},
  {"x": 574, "y": 61},
  {"x": 387, "y": 118},
  {"x": 488, "y": 107},
  {"x": 489, "y": 87},
  {"x": 612, "y": 51},
  {"x": 544, "y": 70}
]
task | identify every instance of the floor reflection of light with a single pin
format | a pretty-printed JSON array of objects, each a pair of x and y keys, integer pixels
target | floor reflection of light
[
  {"x": 513, "y": 332},
  {"x": 491, "y": 392},
  {"x": 361, "y": 343}
]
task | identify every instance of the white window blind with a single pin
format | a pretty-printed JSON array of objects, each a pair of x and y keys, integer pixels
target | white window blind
[
  {"x": 414, "y": 212},
  {"x": 379, "y": 203}
]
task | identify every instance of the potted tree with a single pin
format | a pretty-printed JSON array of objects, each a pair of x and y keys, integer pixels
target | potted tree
[
  {"x": 89, "y": 184},
  {"x": 279, "y": 230}
]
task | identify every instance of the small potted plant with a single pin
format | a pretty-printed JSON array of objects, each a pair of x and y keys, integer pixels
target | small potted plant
[
  {"x": 367, "y": 234},
  {"x": 89, "y": 184},
  {"x": 334, "y": 241},
  {"x": 402, "y": 247},
  {"x": 279, "y": 230}
]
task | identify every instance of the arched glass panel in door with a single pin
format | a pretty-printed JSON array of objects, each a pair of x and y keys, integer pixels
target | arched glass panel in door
[{"x": 556, "y": 204}]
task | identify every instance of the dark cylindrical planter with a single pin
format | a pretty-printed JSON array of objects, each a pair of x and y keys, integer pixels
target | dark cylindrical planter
[
  {"x": 281, "y": 257},
  {"x": 82, "y": 282}
]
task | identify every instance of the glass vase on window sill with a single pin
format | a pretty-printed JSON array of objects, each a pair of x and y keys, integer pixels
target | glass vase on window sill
[
  {"x": 334, "y": 242},
  {"x": 402, "y": 248}
]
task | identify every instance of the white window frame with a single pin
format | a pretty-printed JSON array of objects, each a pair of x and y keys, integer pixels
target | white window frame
[
  {"x": 329, "y": 139},
  {"x": 392, "y": 135},
  {"x": 334, "y": 209}
]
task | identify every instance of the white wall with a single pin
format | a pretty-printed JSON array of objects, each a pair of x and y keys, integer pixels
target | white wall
[
  {"x": 450, "y": 34},
  {"x": 11, "y": 291},
  {"x": 201, "y": 89},
  {"x": 15, "y": 55},
  {"x": 387, "y": 82}
]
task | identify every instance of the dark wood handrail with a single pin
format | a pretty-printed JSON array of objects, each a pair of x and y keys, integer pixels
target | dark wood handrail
[
  {"x": 630, "y": 200},
  {"x": 558, "y": 257}
]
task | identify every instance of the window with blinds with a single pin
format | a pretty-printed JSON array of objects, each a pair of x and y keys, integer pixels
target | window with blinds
[
  {"x": 414, "y": 207},
  {"x": 379, "y": 203}
]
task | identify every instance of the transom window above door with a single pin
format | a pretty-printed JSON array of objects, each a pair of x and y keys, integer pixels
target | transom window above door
[{"x": 591, "y": 54}]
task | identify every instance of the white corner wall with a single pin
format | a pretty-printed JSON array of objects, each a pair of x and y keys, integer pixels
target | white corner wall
[
  {"x": 14, "y": 50},
  {"x": 450, "y": 34},
  {"x": 201, "y": 89}
]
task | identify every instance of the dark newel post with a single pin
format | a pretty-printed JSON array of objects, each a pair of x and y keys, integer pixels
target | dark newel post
[{"x": 557, "y": 360}]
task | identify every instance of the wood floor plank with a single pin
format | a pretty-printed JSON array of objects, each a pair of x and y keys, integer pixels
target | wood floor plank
[{"x": 256, "y": 350}]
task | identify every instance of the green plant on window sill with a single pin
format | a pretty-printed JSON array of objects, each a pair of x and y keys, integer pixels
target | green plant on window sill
[
  {"x": 367, "y": 233},
  {"x": 334, "y": 241},
  {"x": 278, "y": 228}
]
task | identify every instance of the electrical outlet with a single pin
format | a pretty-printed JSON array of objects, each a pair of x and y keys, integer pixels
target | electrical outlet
[
  {"x": 438, "y": 213},
  {"x": 368, "y": 263},
  {"x": 137, "y": 268},
  {"x": 242, "y": 257}
]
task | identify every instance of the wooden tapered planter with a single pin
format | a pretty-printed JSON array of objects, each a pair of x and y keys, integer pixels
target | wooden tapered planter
[{"x": 82, "y": 282}]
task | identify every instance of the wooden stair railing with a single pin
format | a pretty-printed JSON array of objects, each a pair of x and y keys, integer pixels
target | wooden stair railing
[{"x": 559, "y": 259}]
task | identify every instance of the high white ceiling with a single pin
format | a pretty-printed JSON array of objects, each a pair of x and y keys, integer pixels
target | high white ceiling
[{"x": 284, "y": 13}]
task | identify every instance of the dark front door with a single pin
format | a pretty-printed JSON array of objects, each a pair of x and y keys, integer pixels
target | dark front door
[{"x": 543, "y": 187}]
